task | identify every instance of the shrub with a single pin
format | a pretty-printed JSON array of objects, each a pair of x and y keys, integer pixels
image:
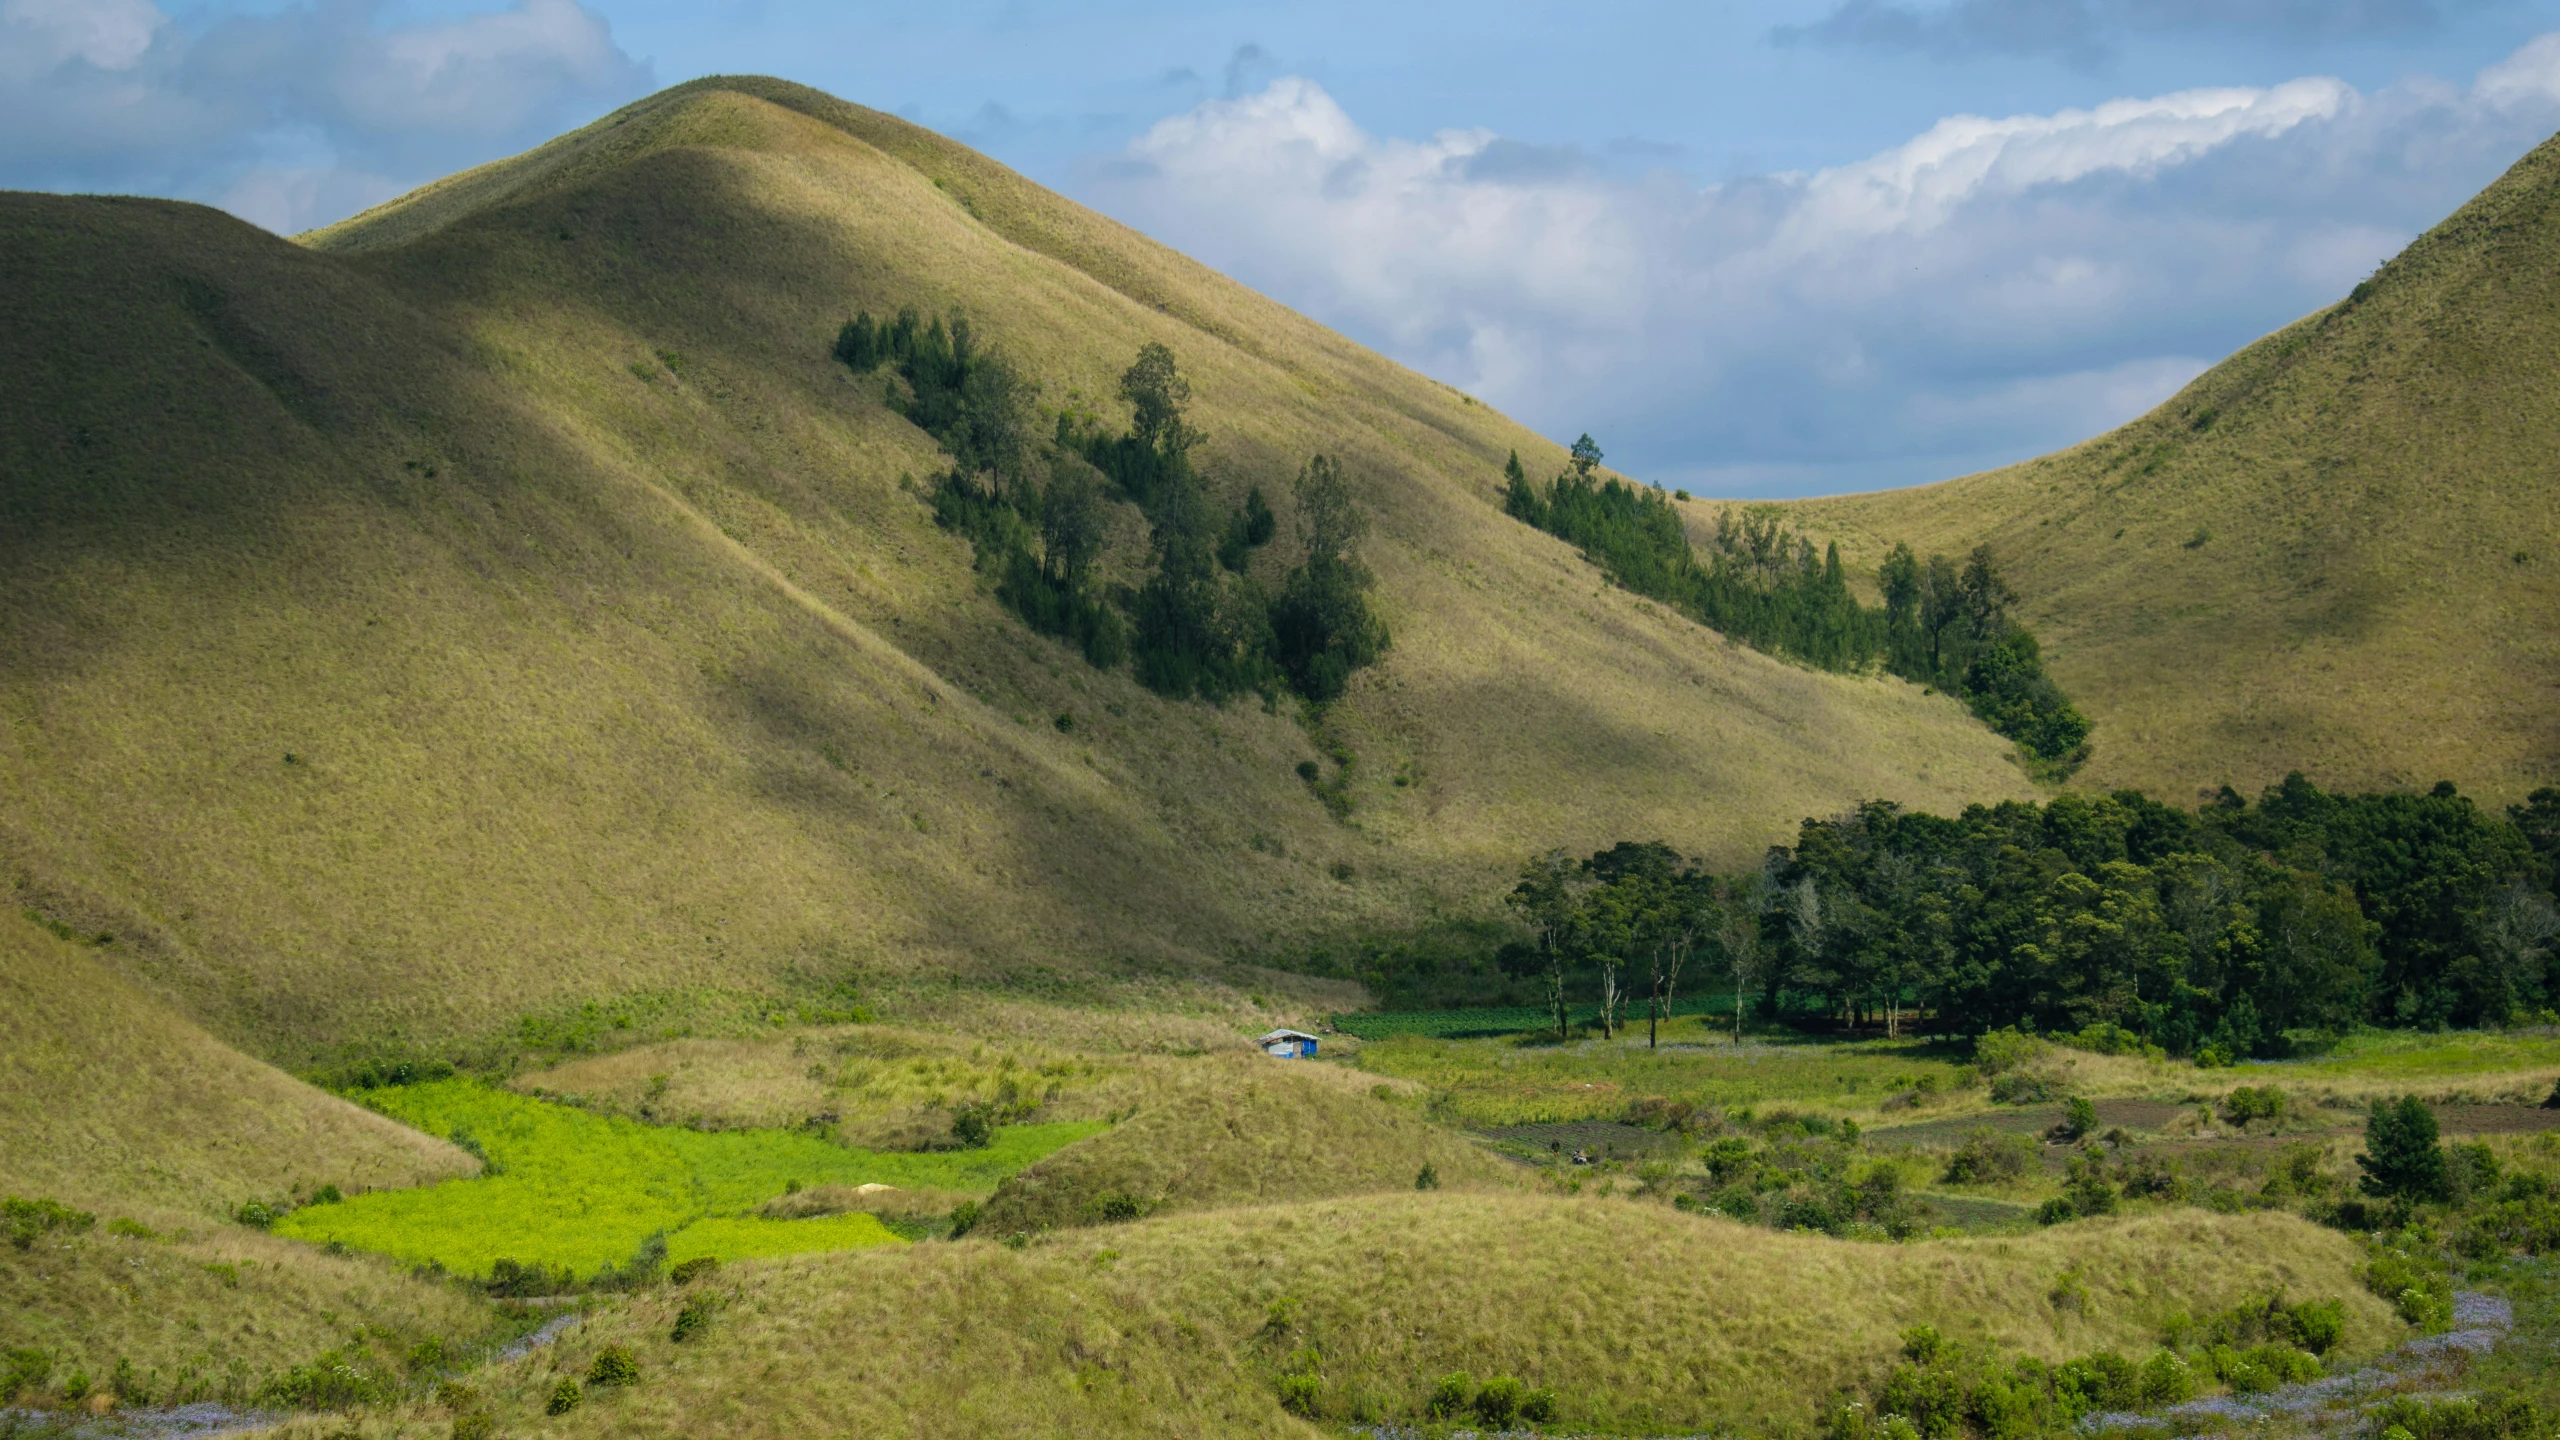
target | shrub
[
  {"x": 1538, "y": 1407},
  {"x": 24, "y": 1220},
  {"x": 2079, "y": 1117},
  {"x": 2493, "y": 1416},
  {"x": 692, "y": 1270},
  {"x": 2102, "y": 1381},
  {"x": 22, "y": 1370},
  {"x": 2055, "y": 1211},
  {"x": 693, "y": 1319},
  {"x": 332, "y": 1381},
  {"x": 964, "y": 1218},
  {"x": 1121, "y": 1207},
  {"x": 2263, "y": 1102},
  {"x": 257, "y": 1214},
  {"x": 1452, "y": 1395},
  {"x": 1987, "y": 1156},
  {"x": 513, "y": 1281},
  {"x": 1300, "y": 1394},
  {"x": 2088, "y": 1188},
  {"x": 974, "y": 1126},
  {"x": 2003, "y": 1051},
  {"x": 1428, "y": 1178},
  {"x": 2023, "y": 1087},
  {"x": 2166, "y": 1380},
  {"x": 131, "y": 1229},
  {"x": 2317, "y": 1324},
  {"x": 475, "y": 1425},
  {"x": 565, "y": 1397},
  {"x": 614, "y": 1365},
  {"x": 1499, "y": 1400},
  {"x": 2421, "y": 1293}
]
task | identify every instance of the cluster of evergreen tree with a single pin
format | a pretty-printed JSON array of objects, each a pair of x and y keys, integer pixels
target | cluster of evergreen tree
[
  {"x": 2211, "y": 932},
  {"x": 1942, "y": 623},
  {"x": 1037, "y": 510}
]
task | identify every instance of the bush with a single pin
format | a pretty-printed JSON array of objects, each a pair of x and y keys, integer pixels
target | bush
[
  {"x": 964, "y": 1218},
  {"x": 1455, "y": 1392},
  {"x": 1300, "y": 1394},
  {"x": 2003, "y": 1051},
  {"x": 1120, "y": 1207},
  {"x": 2166, "y": 1379},
  {"x": 1988, "y": 1156},
  {"x": 2494, "y": 1416},
  {"x": 565, "y": 1397},
  {"x": 2249, "y": 1103},
  {"x": 693, "y": 1319},
  {"x": 475, "y": 1425},
  {"x": 1538, "y": 1407},
  {"x": 1500, "y": 1400},
  {"x": 692, "y": 1270},
  {"x": 2079, "y": 1117},
  {"x": 509, "y": 1280},
  {"x": 2421, "y": 1293},
  {"x": 2103, "y": 1381},
  {"x": 333, "y": 1381},
  {"x": 1428, "y": 1178},
  {"x": 22, "y": 1370},
  {"x": 974, "y": 1126},
  {"x": 614, "y": 1365},
  {"x": 2023, "y": 1087},
  {"x": 2055, "y": 1211},
  {"x": 24, "y": 1220},
  {"x": 2317, "y": 1324}
]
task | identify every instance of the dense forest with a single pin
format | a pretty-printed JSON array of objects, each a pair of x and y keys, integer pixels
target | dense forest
[
  {"x": 2221, "y": 933},
  {"x": 1943, "y": 623},
  {"x": 1036, "y": 508},
  {"x": 2232, "y": 931}
]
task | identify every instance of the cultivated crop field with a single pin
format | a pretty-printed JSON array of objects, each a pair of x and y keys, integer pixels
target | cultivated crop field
[{"x": 569, "y": 1188}]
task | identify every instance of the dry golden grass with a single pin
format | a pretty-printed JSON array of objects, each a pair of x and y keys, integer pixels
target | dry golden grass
[
  {"x": 111, "y": 1103},
  {"x": 1241, "y": 1130},
  {"x": 1180, "y": 1326},
  {"x": 598, "y": 684},
  {"x": 2338, "y": 551}
]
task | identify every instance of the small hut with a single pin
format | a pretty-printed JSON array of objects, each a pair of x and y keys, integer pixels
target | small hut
[{"x": 1289, "y": 1045}]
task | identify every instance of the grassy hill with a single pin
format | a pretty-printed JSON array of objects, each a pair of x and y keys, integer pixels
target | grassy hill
[
  {"x": 2337, "y": 551},
  {"x": 501, "y": 603},
  {"x": 1182, "y": 1326}
]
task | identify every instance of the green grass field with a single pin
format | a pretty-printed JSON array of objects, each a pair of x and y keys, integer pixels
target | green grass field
[
  {"x": 585, "y": 1190},
  {"x": 1529, "y": 1080},
  {"x": 1502, "y": 1019}
]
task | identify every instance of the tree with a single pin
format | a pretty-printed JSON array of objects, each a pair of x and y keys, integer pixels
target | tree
[
  {"x": 1546, "y": 899},
  {"x": 1073, "y": 520},
  {"x": 1586, "y": 457},
  {"x": 1899, "y": 578},
  {"x": 1986, "y": 597},
  {"x": 1322, "y": 627},
  {"x": 1520, "y": 499},
  {"x": 1157, "y": 391},
  {"x": 2402, "y": 1159},
  {"x": 1740, "y": 902}
]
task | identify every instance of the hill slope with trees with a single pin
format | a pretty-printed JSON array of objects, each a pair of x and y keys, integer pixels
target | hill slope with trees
[
  {"x": 507, "y": 603},
  {"x": 2336, "y": 552}
]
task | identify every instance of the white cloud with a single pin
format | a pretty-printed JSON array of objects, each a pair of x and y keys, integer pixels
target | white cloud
[
  {"x": 293, "y": 117},
  {"x": 1988, "y": 289}
]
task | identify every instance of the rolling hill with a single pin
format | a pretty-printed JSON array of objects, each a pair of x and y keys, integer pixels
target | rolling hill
[
  {"x": 500, "y": 604},
  {"x": 2338, "y": 551}
]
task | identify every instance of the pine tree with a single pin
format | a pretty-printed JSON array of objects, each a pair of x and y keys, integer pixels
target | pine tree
[{"x": 2402, "y": 1159}]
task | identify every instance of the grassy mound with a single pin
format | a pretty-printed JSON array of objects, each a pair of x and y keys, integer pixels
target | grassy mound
[
  {"x": 525, "y": 610},
  {"x": 1183, "y": 1325},
  {"x": 1238, "y": 1130},
  {"x": 2338, "y": 551},
  {"x": 109, "y": 1101},
  {"x": 566, "y": 1188}
]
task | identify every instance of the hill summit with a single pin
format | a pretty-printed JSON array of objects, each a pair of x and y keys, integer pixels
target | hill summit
[
  {"x": 502, "y": 603},
  {"x": 2337, "y": 551}
]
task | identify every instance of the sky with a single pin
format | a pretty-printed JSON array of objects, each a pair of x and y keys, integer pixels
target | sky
[{"x": 1756, "y": 247}]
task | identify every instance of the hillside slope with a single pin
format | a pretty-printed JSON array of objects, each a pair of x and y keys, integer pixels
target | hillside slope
[
  {"x": 503, "y": 603},
  {"x": 2337, "y": 551}
]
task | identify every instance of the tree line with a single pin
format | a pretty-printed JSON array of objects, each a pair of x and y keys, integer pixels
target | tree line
[
  {"x": 2218, "y": 933},
  {"x": 1036, "y": 508},
  {"x": 1943, "y": 622}
]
